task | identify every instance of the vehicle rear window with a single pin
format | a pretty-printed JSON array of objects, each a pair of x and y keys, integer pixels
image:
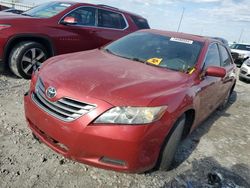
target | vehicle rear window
[
  {"x": 141, "y": 23},
  {"x": 110, "y": 19},
  {"x": 157, "y": 50}
]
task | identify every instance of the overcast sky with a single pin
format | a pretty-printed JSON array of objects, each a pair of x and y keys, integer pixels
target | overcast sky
[{"x": 221, "y": 18}]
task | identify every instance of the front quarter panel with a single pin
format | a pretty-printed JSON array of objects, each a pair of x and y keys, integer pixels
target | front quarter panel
[{"x": 178, "y": 101}]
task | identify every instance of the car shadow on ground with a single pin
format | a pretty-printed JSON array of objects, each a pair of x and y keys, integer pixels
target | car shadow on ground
[
  {"x": 207, "y": 172},
  {"x": 191, "y": 142},
  {"x": 6, "y": 72}
]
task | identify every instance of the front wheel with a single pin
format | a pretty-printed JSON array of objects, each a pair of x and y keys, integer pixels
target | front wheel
[
  {"x": 25, "y": 56},
  {"x": 171, "y": 144}
]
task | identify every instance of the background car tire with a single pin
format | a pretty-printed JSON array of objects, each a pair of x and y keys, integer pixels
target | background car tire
[
  {"x": 171, "y": 143},
  {"x": 24, "y": 56}
]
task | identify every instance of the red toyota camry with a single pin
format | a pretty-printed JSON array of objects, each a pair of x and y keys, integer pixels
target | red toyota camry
[{"x": 127, "y": 105}]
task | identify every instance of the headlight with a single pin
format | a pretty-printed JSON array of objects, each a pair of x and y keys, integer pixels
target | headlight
[
  {"x": 131, "y": 115},
  {"x": 246, "y": 56},
  {"x": 4, "y": 26},
  {"x": 243, "y": 56}
]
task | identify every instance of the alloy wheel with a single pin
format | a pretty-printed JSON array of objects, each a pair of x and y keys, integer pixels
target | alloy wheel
[{"x": 33, "y": 58}]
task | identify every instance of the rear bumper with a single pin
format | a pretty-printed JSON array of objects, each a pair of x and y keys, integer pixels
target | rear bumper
[{"x": 120, "y": 148}]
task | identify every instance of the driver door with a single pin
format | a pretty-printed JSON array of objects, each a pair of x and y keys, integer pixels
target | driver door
[
  {"x": 80, "y": 35},
  {"x": 209, "y": 87}
]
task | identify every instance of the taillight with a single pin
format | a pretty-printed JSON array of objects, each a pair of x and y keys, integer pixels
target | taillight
[{"x": 4, "y": 26}]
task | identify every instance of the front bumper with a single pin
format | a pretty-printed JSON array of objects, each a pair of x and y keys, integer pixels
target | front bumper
[
  {"x": 121, "y": 148},
  {"x": 245, "y": 72}
]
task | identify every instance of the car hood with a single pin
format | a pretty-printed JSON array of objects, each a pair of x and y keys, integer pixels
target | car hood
[
  {"x": 245, "y": 52},
  {"x": 103, "y": 76},
  {"x": 9, "y": 15}
]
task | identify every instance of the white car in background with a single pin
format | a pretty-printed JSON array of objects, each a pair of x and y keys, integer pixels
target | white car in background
[
  {"x": 245, "y": 70},
  {"x": 240, "y": 52}
]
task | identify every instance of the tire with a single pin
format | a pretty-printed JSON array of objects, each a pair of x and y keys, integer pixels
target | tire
[
  {"x": 24, "y": 56},
  {"x": 171, "y": 144}
]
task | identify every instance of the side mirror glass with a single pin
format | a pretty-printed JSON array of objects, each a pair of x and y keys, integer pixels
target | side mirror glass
[
  {"x": 69, "y": 20},
  {"x": 216, "y": 72}
]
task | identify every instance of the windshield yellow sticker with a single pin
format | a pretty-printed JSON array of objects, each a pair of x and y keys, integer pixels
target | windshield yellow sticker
[
  {"x": 181, "y": 40},
  {"x": 154, "y": 61},
  {"x": 191, "y": 70}
]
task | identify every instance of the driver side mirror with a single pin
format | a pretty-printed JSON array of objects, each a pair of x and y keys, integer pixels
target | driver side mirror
[
  {"x": 69, "y": 20},
  {"x": 215, "y": 72}
]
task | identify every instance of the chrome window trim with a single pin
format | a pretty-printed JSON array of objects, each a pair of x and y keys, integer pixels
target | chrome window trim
[{"x": 96, "y": 17}]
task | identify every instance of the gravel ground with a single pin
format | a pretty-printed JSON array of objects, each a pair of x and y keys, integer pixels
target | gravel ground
[{"x": 219, "y": 150}]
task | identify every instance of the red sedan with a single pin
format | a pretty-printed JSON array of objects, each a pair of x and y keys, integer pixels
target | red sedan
[{"x": 127, "y": 106}]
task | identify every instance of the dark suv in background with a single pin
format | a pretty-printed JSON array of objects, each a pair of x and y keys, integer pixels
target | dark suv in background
[{"x": 27, "y": 40}]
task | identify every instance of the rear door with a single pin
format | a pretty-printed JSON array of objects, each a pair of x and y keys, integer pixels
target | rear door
[
  {"x": 80, "y": 36},
  {"x": 111, "y": 26}
]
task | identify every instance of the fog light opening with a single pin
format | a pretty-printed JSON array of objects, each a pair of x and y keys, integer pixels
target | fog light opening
[{"x": 113, "y": 161}]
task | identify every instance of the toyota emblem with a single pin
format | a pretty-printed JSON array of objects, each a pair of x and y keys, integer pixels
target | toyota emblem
[{"x": 51, "y": 92}]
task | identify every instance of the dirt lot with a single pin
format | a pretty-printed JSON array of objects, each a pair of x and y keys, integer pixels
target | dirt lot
[{"x": 221, "y": 146}]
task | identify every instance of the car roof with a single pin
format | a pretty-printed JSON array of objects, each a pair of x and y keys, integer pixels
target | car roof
[
  {"x": 198, "y": 38},
  {"x": 69, "y": 2},
  {"x": 99, "y": 6}
]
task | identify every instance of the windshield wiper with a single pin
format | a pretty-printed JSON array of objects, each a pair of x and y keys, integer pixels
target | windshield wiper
[
  {"x": 24, "y": 14},
  {"x": 109, "y": 51},
  {"x": 130, "y": 58},
  {"x": 137, "y": 59}
]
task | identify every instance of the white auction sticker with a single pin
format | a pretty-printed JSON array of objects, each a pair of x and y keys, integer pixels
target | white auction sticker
[
  {"x": 65, "y": 5},
  {"x": 181, "y": 40}
]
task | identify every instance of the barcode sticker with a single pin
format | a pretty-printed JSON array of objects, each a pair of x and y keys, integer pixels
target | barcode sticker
[{"x": 181, "y": 40}]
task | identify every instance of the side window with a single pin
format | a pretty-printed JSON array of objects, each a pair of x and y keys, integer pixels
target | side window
[
  {"x": 110, "y": 19},
  {"x": 141, "y": 23},
  {"x": 213, "y": 56},
  {"x": 225, "y": 58},
  {"x": 84, "y": 16}
]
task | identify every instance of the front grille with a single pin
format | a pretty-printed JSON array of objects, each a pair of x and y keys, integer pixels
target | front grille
[{"x": 65, "y": 109}]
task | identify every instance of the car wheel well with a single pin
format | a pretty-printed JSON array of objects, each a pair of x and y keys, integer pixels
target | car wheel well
[
  {"x": 189, "y": 120},
  {"x": 43, "y": 41},
  {"x": 190, "y": 117},
  {"x": 232, "y": 89}
]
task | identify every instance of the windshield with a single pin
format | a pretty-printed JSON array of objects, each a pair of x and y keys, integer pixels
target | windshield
[
  {"x": 157, "y": 50},
  {"x": 47, "y": 10},
  {"x": 240, "y": 47}
]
